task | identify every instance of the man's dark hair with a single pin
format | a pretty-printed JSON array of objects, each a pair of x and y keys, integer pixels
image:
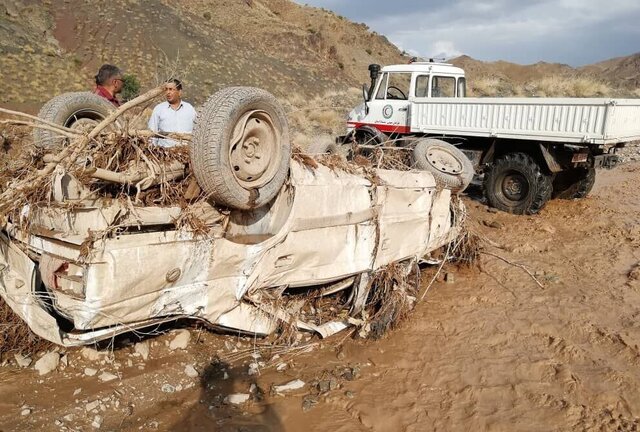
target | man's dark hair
[
  {"x": 176, "y": 81},
  {"x": 107, "y": 72}
]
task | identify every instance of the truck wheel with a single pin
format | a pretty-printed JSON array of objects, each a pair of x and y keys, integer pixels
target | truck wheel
[
  {"x": 78, "y": 110},
  {"x": 369, "y": 135},
  {"x": 516, "y": 184},
  {"x": 240, "y": 149},
  {"x": 450, "y": 167},
  {"x": 575, "y": 183}
]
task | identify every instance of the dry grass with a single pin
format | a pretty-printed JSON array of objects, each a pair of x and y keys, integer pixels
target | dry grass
[
  {"x": 550, "y": 86},
  {"x": 15, "y": 336},
  {"x": 310, "y": 118}
]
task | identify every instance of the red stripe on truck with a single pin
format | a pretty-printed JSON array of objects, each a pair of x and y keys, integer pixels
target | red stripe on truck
[{"x": 383, "y": 127}]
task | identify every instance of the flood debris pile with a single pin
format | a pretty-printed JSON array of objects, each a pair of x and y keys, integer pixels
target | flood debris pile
[{"x": 106, "y": 233}]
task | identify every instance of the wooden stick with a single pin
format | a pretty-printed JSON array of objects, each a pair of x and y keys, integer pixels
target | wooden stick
[
  {"x": 515, "y": 265},
  {"x": 39, "y": 126},
  {"x": 70, "y": 153},
  {"x": 39, "y": 120}
]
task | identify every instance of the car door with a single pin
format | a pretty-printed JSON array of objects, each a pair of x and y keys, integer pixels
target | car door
[{"x": 389, "y": 107}]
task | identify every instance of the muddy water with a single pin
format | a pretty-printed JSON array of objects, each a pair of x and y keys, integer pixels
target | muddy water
[{"x": 490, "y": 351}]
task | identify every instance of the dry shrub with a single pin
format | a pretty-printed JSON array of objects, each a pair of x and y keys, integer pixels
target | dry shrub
[
  {"x": 392, "y": 296},
  {"x": 492, "y": 87},
  {"x": 561, "y": 86},
  {"x": 15, "y": 335}
]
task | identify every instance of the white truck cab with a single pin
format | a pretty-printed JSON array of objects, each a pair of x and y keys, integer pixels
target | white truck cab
[{"x": 387, "y": 101}]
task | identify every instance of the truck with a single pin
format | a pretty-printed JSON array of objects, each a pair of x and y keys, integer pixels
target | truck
[{"x": 524, "y": 151}]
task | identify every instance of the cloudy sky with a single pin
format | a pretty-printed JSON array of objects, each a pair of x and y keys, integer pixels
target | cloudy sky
[{"x": 575, "y": 32}]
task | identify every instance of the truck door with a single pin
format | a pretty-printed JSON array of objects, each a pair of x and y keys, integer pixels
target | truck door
[{"x": 389, "y": 108}]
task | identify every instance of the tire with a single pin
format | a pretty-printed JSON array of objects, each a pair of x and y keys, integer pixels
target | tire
[
  {"x": 369, "y": 135},
  {"x": 327, "y": 145},
  {"x": 80, "y": 110},
  {"x": 516, "y": 184},
  {"x": 449, "y": 166},
  {"x": 575, "y": 183},
  {"x": 249, "y": 172}
]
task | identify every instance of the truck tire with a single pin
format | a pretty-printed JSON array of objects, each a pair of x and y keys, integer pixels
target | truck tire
[
  {"x": 515, "y": 183},
  {"x": 449, "y": 166},
  {"x": 77, "y": 110},
  {"x": 369, "y": 135},
  {"x": 575, "y": 183},
  {"x": 240, "y": 149}
]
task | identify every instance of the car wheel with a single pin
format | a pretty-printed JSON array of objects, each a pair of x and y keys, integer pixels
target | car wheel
[
  {"x": 449, "y": 166},
  {"x": 240, "y": 148},
  {"x": 516, "y": 184},
  {"x": 78, "y": 110}
]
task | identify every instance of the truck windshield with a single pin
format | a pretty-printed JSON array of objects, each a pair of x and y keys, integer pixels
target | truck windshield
[{"x": 394, "y": 85}]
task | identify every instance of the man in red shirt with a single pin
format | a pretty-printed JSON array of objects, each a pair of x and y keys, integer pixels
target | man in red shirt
[{"x": 109, "y": 83}]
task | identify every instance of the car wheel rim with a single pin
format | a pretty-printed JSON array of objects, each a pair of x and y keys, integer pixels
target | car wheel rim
[
  {"x": 254, "y": 151},
  {"x": 444, "y": 161}
]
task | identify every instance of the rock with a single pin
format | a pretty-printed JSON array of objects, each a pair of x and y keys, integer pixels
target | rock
[
  {"x": 57, "y": 423},
  {"x": 493, "y": 224},
  {"x": 97, "y": 422},
  {"x": 254, "y": 369},
  {"x": 449, "y": 278},
  {"x": 90, "y": 371},
  {"x": 341, "y": 355},
  {"x": 68, "y": 418},
  {"x": 492, "y": 210},
  {"x": 309, "y": 402},
  {"x": 77, "y": 391},
  {"x": 281, "y": 367},
  {"x": 190, "y": 371},
  {"x": 22, "y": 361},
  {"x": 253, "y": 388},
  {"x": 349, "y": 394},
  {"x": 168, "y": 388},
  {"x": 92, "y": 354},
  {"x": 237, "y": 398},
  {"x": 142, "y": 348},
  {"x": 106, "y": 376},
  {"x": 47, "y": 363},
  {"x": 92, "y": 405},
  {"x": 64, "y": 360},
  {"x": 181, "y": 340},
  {"x": 290, "y": 386},
  {"x": 25, "y": 411}
]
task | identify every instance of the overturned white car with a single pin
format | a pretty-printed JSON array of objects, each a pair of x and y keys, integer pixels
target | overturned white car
[{"x": 86, "y": 268}]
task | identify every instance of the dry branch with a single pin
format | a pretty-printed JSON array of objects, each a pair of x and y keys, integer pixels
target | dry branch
[
  {"x": 70, "y": 153},
  {"x": 521, "y": 266}
]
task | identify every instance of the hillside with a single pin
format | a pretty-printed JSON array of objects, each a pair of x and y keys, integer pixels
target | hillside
[
  {"x": 615, "y": 77},
  {"x": 55, "y": 46}
]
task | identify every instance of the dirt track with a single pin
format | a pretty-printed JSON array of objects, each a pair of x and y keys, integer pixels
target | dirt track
[{"x": 490, "y": 351}]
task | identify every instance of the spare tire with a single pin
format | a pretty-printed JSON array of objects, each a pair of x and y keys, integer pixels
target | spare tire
[
  {"x": 449, "y": 166},
  {"x": 78, "y": 110},
  {"x": 240, "y": 149}
]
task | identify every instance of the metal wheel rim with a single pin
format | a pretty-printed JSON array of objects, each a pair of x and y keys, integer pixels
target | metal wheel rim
[
  {"x": 513, "y": 186},
  {"x": 443, "y": 160},
  {"x": 254, "y": 151}
]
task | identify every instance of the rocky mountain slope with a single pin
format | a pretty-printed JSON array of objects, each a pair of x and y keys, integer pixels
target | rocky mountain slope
[
  {"x": 295, "y": 51},
  {"x": 57, "y": 45}
]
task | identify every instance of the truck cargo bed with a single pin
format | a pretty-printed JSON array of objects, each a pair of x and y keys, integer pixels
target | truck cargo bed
[{"x": 567, "y": 120}]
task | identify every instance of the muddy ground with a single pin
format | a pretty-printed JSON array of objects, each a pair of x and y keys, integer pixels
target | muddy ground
[{"x": 489, "y": 349}]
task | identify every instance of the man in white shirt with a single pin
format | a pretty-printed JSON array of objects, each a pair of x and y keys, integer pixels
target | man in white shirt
[{"x": 174, "y": 115}]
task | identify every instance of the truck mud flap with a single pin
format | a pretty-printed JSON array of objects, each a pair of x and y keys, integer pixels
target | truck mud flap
[{"x": 606, "y": 161}]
